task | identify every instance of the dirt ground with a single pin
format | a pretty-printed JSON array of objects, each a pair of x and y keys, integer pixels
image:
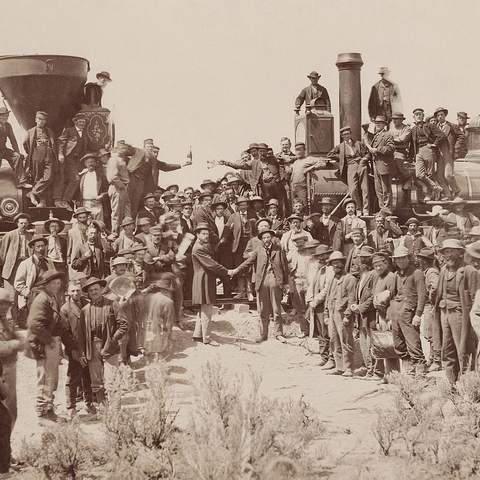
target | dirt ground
[{"x": 347, "y": 407}]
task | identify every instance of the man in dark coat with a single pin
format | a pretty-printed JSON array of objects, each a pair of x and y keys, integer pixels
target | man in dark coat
[
  {"x": 352, "y": 158},
  {"x": 384, "y": 97},
  {"x": 88, "y": 257},
  {"x": 148, "y": 210},
  {"x": 205, "y": 272},
  {"x": 313, "y": 91}
]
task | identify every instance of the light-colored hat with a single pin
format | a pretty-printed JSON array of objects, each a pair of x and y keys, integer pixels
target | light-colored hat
[
  {"x": 451, "y": 243},
  {"x": 436, "y": 210},
  {"x": 336, "y": 256},
  {"x": 400, "y": 252}
]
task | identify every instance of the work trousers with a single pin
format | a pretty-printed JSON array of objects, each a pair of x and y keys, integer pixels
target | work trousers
[
  {"x": 300, "y": 191},
  {"x": 102, "y": 370},
  {"x": 41, "y": 170},
  {"x": 8, "y": 285},
  {"x": 5, "y": 433},
  {"x": 341, "y": 341},
  {"x": 298, "y": 289},
  {"x": 135, "y": 191},
  {"x": 77, "y": 376},
  {"x": 383, "y": 187},
  {"x": 406, "y": 337},
  {"x": 10, "y": 379},
  {"x": 366, "y": 345},
  {"x": 387, "y": 365},
  {"x": 71, "y": 178},
  {"x": 120, "y": 204},
  {"x": 203, "y": 324},
  {"x": 321, "y": 331},
  {"x": 445, "y": 176},
  {"x": 47, "y": 376},
  {"x": 357, "y": 181},
  {"x": 16, "y": 163},
  {"x": 269, "y": 300},
  {"x": 452, "y": 331},
  {"x": 402, "y": 171},
  {"x": 424, "y": 167}
]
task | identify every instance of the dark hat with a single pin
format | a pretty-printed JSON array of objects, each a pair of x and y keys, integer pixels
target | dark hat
[
  {"x": 366, "y": 251},
  {"x": 358, "y": 230},
  {"x": 441, "y": 109},
  {"x": 327, "y": 201},
  {"x": 412, "y": 220},
  {"x": 37, "y": 238},
  {"x": 104, "y": 74},
  {"x": 241, "y": 199},
  {"x": 143, "y": 221},
  {"x": 336, "y": 256},
  {"x": 474, "y": 249},
  {"x": 202, "y": 226},
  {"x": 205, "y": 194},
  {"x": 426, "y": 253},
  {"x": 138, "y": 248},
  {"x": 127, "y": 221},
  {"x": 294, "y": 217},
  {"x": 207, "y": 181},
  {"x": 88, "y": 156},
  {"x": 263, "y": 220},
  {"x": 419, "y": 110},
  {"x": 103, "y": 152},
  {"x": 346, "y": 128},
  {"x": 173, "y": 186},
  {"x": 463, "y": 114},
  {"x": 398, "y": 116},
  {"x": 263, "y": 145},
  {"x": 272, "y": 201},
  {"x": 322, "y": 250},
  {"x": 47, "y": 224},
  {"x": 218, "y": 203},
  {"x": 251, "y": 146},
  {"x": 314, "y": 214},
  {"x": 260, "y": 234},
  {"x": 147, "y": 196},
  {"x": 93, "y": 281},
  {"x": 313, "y": 74},
  {"x": 165, "y": 283},
  {"x": 50, "y": 275},
  {"x": 348, "y": 201},
  {"x": 22, "y": 215},
  {"x": 4, "y": 111},
  {"x": 256, "y": 198},
  {"x": 299, "y": 144},
  {"x": 379, "y": 256},
  {"x": 79, "y": 211},
  {"x": 451, "y": 243},
  {"x": 380, "y": 119}
]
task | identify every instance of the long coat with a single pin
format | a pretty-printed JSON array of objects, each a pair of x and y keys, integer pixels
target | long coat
[
  {"x": 366, "y": 310},
  {"x": 205, "y": 272},
  {"x": 384, "y": 160},
  {"x": 29, "y": 146},
  {"x": 81, "y": 264},
  {"x": 27, "y": 275},
  {"x": 70, "y": 140},
  {"x": 338, "y": 154},
  {"x": 10, "y": 250},
  {"x": 70, "y": 315}
]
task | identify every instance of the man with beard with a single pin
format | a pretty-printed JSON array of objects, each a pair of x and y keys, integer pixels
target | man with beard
[
  {"x": 457, "y": 286},
  {"x": 407, "y": 304},
  {"x": 88, "y": 257},
  {"x": 341, "y": 293},
  {"x": 380, "y": 238},
  {"x": 77, "y": 234},
  {"x": 413, "y": 240},
  {"x": 271, "y": 281},
  {"x": 295, "y": 223},
  {"x": 437, "y": 232},
  {"x": 343, "y": 238},
  {"x": 460, "y": 218},
  {"x": 328, "y": 222}
]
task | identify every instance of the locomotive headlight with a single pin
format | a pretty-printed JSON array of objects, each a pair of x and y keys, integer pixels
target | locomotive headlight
[{"x": 9, "y": 207}]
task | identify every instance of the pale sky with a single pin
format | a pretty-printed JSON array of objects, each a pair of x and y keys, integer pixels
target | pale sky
[{"x": 218, "y": 75}]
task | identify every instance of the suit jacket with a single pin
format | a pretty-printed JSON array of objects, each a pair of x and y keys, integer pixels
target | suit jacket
[
  {"x": 205, "y": 272},
  {"x": 70, "y": 142},
  {"x": 29, "y": 145},
  {"x": 82, "y": 264},
  {"x": 27, "y": 275},
  {"x": 278, "y": 261},
  {"x": 11, "y": 136},
  {"x": 454, "y": 138},
  {"x": 338, "y": 154},
  {"x": 70, "y": 315},
  {"x": 383, "y": 160},
  {"x": 164, "y": 167},
  {"x": 309, "y": 93},
  {"x": 434, "y": 136},
  {"x": 235, "y": 225},
  {"x": 76, "y": 237},
  {"x": 348, "y": 288},
  {"x": 152, "y": 216},
  {"x": 10, "y": 250},
  {"x": 377, "y": 241},
  {"x": 138, "y": 158},
  {"x": 440, "y": 237},
  {"x": 366, "y": 310}
]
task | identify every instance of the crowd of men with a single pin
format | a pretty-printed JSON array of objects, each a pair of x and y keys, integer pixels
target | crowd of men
[{"x": 115, "y": 285}]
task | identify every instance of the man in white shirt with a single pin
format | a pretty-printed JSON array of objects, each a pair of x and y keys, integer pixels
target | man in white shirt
[
  {"x": 56, "y": 246},
  {"x": 343, "y": 241},
  {"x": 93, "y": 187}
]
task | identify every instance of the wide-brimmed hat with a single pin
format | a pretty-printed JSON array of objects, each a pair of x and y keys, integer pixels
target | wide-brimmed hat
[
  {"x": 241, "y": 199},
  {"x": 336, "y": 255},
  {"x": 294, "y": 217},
  {"x": 260, "y": 234},
  {"x": 256, "y": 198},
  {"x": 398, "y": 116},
  {"x": 81, "y": 210},
  {"x": 322, "y": 250},
  {"x": 167, "y": 194},
  {"x": 474, "y": 231},
  {"x": 263, "y": 146},
  {"x": 252, "y": 146},
  {"x": 104, "y": 74},
  {"x": 205, "y": 194},
  {"x": 313, "y": 74},
  {"x": 440, "y": 109},
  {"x": 458, "y": 201},
  {"x": 400, "y": 252},
  {"x": 88, "y": 156},
  {"x": 383, "y": 70},
  {"x": 412, "y": 220},
  {"x": 327, "y": 201},
  {"x": 380, "y": 118},
  {"x": 48, "y": 222},
  {"x": 272, "y": 201},
  {"x": 38, "y": 238},
  {"x": 263, "y": 220},
  {"x": 366, "y": 251},
  {"x": 50, "y": 275},
  {"x": 93, "y": 281},
  {"x": 4, "y": 111},
  {"x": 174, "y": 185},
  {"x": 473, "y": 249},
  {"x": 451, "y": 243},
  {"x": 299, "y": 236},
  {"x": 138, "y": 248},
  {"x": 426, "y": 253},
  {"x": 143, "y": 221},
  {"x": 202, "y": 226},
  {"x": 218, "y": 203},
  {"x": 208, "y": 181},
  {"x": 17, "y": 217},
  {"x": 234, "y": 179},
  {"x": 436, "y": 210},
  {"x": 119, "y": 261},
  {"x": 463, "y": 114},
  {"x": 127, "y": 221}
]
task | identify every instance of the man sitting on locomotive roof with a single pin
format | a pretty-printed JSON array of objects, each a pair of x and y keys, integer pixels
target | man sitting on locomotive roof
[
  {"x": 352, "y": 158},
  {"x": 13, "y": 156}
]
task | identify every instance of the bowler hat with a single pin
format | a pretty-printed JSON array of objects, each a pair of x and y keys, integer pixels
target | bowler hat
[
  {"x": 47, "y": 224},
  {"x": 383, "y": 70},
  {"x": 127, "y": 221},
  {"x": 143, "y": 221},
  {"x": 4, "y": 111},
  {"x": 206, "y": 182},
  {"x": 398, "y": 116},
  {"x": 202, "y": 226},
  {"x": 336, "y": 255},
  {"x": 119, "y": 261},
  {"x": 313, "y": 74},
  {"x": 322, "y": 250},
  {"x": 474, "y": 249},
  {"x": 252, "y": 146},
  {"x": 346, "y": 128},
  {"x": 294, "y": 217},
  {"x": 50, "y": 275},
  {"x": 22, "y": 215},
  {"x": 104, "y": 74},
  {"x": 400, "y": 252},
  {"x": 37, "y": 238},
  {"x": 93, "y": 281},
  {"x": 380, "y": 119},
  {"x": 263, "y": 145},
  {"x": 263, "y": 220},
  {"x": 327, "y": 201},
  {"x": 260, "y": 234},
  {"x": 241, "y": 199},
  {"x": 440, "y": 109},
  {"x": 412, "y": 220},
  {"x": 366, "y": 251},
  {"x": 79, "y": 211},
  {"x": 88, "y": 156},
  {"x": 463, "y": 114},
  {"x": 419, "y": 110},
  {"x": 426, "y": 253},
  {"x": 272, "y": 201},
  {"x": 451, "y": 243}
]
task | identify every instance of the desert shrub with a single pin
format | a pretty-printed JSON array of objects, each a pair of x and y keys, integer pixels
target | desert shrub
[{"x": 237, "y": 433}]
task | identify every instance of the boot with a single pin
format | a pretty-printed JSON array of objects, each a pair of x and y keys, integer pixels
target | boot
[
  {"x": 420, "y": 371},
  {"x": 250, "y": 296},
  {"x": 242, "y": 288},
  {"x": 101, "y": 397},
  {"x": 408, "y": 368},
  {"x": 436, "y": 366}
]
